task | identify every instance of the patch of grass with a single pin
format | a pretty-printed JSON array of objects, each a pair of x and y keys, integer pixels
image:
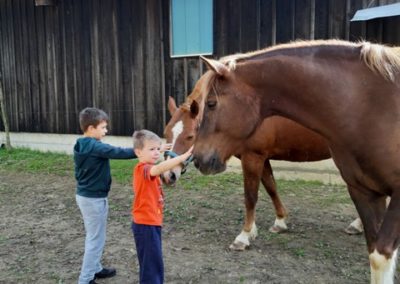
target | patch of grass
[
  {"x": 299, "y": 252},
  {"x": 122, "y": 170},
  {"x": 3, "y": 239},
  {"x": 25, "y": 160},
  {"x": 224, "y": 182},
  {"x": 295, "y": 186},
  {"x": 36, "y": 162}
]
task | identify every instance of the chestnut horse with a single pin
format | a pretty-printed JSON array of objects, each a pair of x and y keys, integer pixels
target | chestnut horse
[
  {"x": 277, "y": 138},
  {"x": 349, "y": 93}
]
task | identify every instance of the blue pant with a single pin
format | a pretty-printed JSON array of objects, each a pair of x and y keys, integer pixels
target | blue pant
[
  {"x": 94, "y": 213},
  {"x": 149, "y": 252}
]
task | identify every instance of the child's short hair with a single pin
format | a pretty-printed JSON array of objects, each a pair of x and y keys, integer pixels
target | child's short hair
[
  {"x": 140, "y": 136},
  {"x": 91, "y": 116}
]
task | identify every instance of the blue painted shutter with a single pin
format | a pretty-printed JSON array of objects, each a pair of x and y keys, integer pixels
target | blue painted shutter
[{"x": 192, "y": 27}]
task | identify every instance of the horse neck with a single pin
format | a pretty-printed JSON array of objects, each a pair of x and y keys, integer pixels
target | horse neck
[{"x": 293, "y": 86}]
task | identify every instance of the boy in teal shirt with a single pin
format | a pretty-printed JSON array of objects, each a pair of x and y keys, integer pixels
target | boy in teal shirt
[{"x": 92, "y": 173}]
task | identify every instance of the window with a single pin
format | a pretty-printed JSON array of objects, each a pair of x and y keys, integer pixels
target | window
[{"x": 191, "y": 27}]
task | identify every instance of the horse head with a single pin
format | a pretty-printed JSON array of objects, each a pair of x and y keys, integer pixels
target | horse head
[
  {"x": 180, "y": 131},
  {"x": 225, "y": 123}
]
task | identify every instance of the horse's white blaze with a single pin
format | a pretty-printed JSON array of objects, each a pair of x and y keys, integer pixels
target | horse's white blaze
[
  {"x": 176, "y": 130},
  {"x": 382, "y": 269},
  {"x": 245, "y": 237}
]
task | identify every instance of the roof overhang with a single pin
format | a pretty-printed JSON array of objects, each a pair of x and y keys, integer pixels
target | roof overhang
[{"x": 377, "y": 12}]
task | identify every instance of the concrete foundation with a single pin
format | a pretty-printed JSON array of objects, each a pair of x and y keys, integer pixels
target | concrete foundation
[{"x": 60, "y": 143}]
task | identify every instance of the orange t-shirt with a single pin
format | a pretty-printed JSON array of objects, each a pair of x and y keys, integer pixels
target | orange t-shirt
[{"x": 148, "y": 200}]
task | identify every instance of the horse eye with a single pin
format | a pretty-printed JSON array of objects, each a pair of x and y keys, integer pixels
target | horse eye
[
  {"x": 211, "y": 104},
  {"x": 190, "y": 137}
]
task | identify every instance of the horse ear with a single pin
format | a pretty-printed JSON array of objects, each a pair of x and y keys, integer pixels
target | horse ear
[
  {"x": 215, "y": 65},
  {"x": 171, "y": 105},
  {"x": 194, "y": 109}
]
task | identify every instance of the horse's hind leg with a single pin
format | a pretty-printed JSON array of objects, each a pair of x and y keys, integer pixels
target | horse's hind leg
[
  {"x": 381, "y": 232},
  {"x": 356, "y": 227},
  {"x": 252, "y": 166},
  {"x": 280, "y": 211}
]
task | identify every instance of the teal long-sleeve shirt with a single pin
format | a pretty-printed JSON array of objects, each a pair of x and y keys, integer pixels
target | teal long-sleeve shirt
[{"x": 92, "y": 165}]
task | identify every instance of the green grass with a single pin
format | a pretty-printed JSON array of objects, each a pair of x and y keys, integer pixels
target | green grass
[
  {"x": 29, "y": 161},
  {"x": 121, "y": 170},
  {"x": 24, "y": 160}
]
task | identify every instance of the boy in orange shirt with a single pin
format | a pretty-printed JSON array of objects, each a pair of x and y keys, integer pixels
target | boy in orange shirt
[{"x": 148, "y": 203}]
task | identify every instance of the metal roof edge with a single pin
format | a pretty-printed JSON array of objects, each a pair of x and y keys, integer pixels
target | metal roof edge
[{"x": 377, "y": 12}]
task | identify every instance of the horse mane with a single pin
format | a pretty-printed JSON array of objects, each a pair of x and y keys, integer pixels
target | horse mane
[
  {"x": 379, "y": 58},
  {"x": 202, "y": 86}
]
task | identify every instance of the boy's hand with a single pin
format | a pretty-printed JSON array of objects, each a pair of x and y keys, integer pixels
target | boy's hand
[
  {"x": 165, "y": 147},
  {"x": 187, "y": 154}
]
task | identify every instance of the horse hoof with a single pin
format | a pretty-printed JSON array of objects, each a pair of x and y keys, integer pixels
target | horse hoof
[
  {"x": 353, "y": 231},
  {"x": 277, "y": 229},
  {"x": 238, "y": 246}
]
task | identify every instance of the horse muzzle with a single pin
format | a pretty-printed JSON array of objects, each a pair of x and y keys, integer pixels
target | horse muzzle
[{"x": 209, "y": 165}]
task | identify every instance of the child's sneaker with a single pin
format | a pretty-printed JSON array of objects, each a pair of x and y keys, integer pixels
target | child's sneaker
[{"x": 106, "y": 273}]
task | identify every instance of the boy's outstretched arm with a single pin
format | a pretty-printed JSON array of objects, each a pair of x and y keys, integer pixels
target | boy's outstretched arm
[{"x": 164, "y": 166}]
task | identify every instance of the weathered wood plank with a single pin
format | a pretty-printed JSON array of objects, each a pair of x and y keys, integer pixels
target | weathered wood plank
[
  {"x": 21, "y": 63},
  {"x": 221, "y": 28},
  {"x": 12, "y": 72},
  {"x": 285, "y": 21},
  {"x": 125, "y": 60},
  {"x": 337, "y": 19},
  {"x": 248, "y": 25},
  {"x": 154, "y": 95},
  {"x": 321, "y": 30},
  {"x": 33, "y": 69},
  {"x": 139, "y": 17},
  {"x": 52, "y": 99},
  {"x": 302, "y": 19},
  {"x": 267, "y": 23},
  {"x": 234, "y": 31},
  {"x": 2, "y": 36},
  {"x": 391, "y": 31}
]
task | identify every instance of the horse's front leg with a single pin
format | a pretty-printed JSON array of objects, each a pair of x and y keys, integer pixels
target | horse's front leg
[
  {"x": 252, "y": 166},
  {"x": 381, "y": 231},
  {"x": 280, "y": 210},
  {"x": 383, "y": 255}
]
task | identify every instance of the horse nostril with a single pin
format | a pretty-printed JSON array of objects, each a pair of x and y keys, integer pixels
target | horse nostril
[
  {"x": 213, "y": 162},
  {"x": 196, "y": 163},
  {"x": 172, "y": 177}
]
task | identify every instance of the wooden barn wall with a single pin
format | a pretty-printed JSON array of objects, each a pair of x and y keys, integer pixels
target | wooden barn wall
[
  {"x": 56, "y": 60},
  {"x": 115, "y": 54}
]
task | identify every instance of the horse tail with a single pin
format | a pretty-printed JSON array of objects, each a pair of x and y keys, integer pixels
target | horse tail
[{"x": 381, "y": 59}]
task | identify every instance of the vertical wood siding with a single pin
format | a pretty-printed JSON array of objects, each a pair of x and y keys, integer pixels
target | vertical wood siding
[{"x": 115, "y": 55}]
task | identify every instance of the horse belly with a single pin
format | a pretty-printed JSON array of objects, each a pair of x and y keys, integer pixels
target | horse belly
[{"x": 283, "y": 139}]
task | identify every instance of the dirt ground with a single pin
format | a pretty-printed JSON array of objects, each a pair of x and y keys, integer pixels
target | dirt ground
[{"x": 41, "y": 235}]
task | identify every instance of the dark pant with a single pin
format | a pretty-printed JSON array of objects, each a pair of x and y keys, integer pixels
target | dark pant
[{"x": 149, "y": 252}]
